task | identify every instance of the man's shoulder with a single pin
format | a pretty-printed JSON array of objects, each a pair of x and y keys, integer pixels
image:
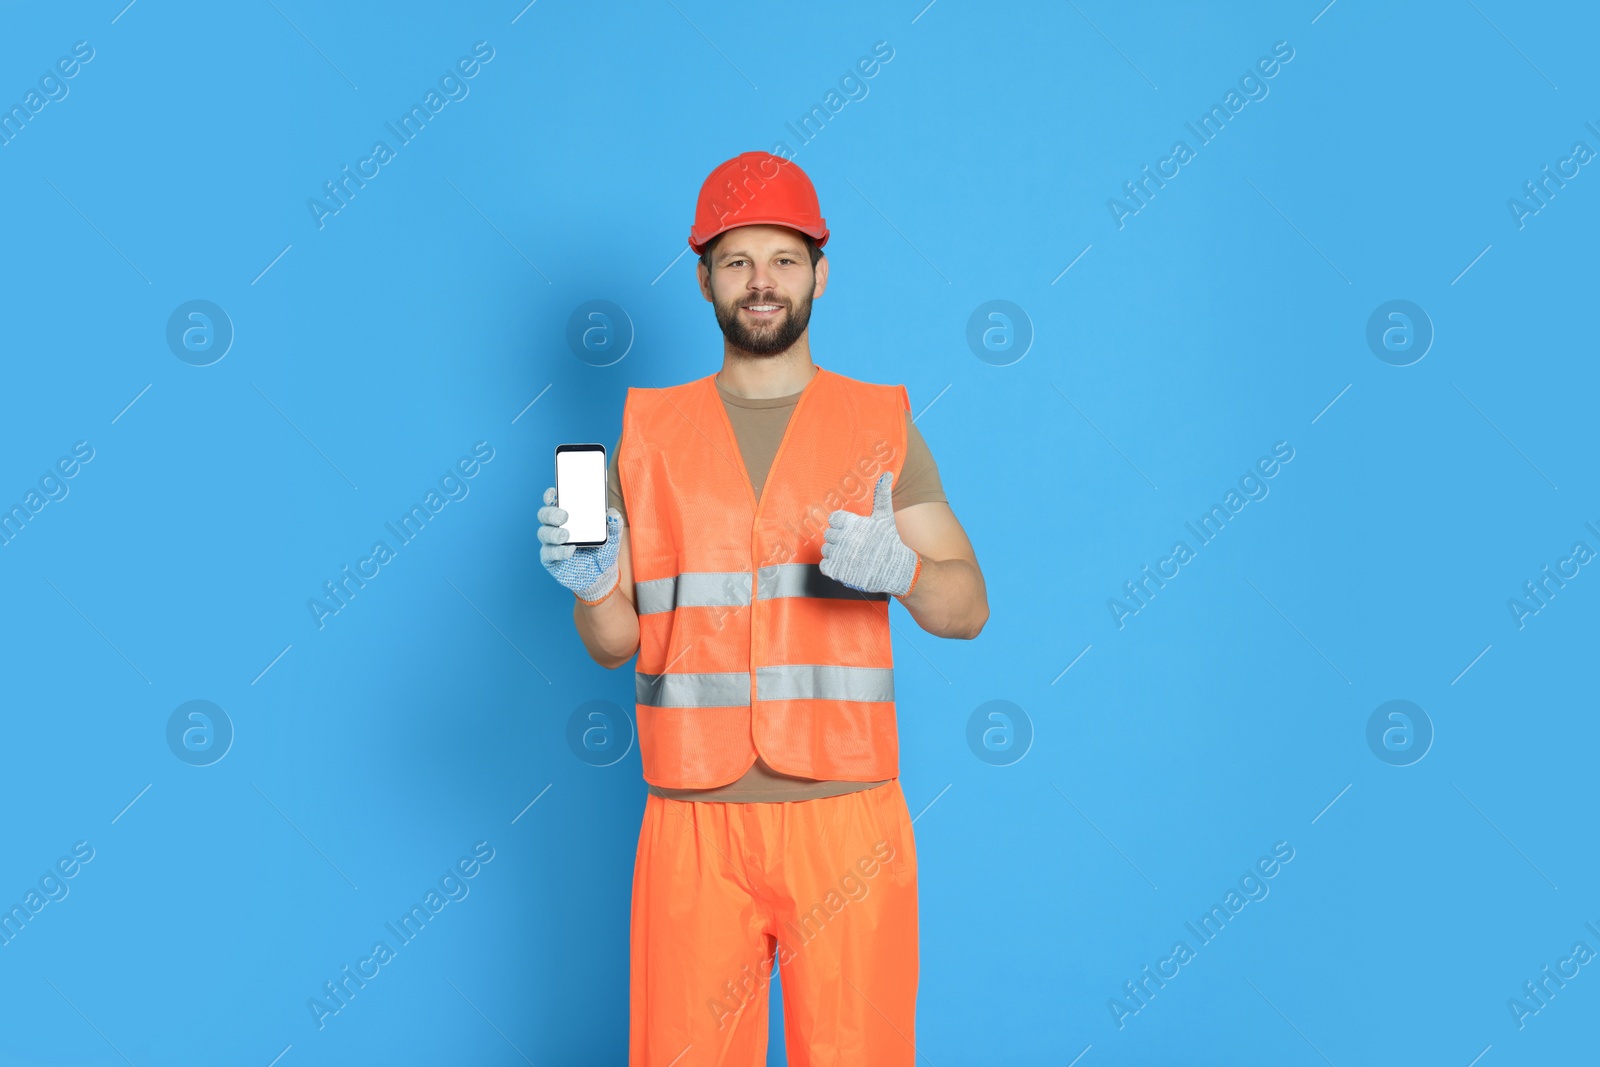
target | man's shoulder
[
  {"x": 643, "y": 401},
  {"x": 894, "y": 393},
  {"x": 654, "y": 391}
]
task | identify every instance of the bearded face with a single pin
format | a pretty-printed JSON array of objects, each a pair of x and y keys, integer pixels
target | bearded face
[{"x": 761, "y": 284}]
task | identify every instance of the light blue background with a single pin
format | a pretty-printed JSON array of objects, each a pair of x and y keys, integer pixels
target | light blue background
[{"x": 1227, "y": 315}]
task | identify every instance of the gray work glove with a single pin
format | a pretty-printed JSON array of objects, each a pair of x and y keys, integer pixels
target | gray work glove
[
  {"x": 591, "y": 573},
  {"x": 865, "y": 551}
]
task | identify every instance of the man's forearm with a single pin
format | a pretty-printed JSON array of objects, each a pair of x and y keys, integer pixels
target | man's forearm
[
  {"x": 949, "y": 598},
  {"x": 609, "y": 629}
]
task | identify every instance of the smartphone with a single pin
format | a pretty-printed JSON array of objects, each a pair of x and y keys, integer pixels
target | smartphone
[{"x": 581, "y": 492}]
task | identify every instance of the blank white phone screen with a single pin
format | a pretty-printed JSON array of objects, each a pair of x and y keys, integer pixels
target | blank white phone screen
[{"x": 581, "y": 492}]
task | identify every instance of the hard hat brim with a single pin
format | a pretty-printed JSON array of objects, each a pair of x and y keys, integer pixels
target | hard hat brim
[{"x": 818, "y": 233}]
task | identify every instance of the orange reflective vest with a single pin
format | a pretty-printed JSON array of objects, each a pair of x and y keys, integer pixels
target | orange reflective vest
[{"x": 745, "y": 646}]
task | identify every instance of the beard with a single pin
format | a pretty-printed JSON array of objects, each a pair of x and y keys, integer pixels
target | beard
[{"x": 764, "y": 339}]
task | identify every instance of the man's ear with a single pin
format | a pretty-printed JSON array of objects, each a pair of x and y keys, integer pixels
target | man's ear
[
  {"x": 705, "y": 281},
  {"x": 822, "y": 277}
]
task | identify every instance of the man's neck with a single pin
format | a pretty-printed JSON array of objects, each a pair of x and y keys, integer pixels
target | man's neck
[{"x": 765, "y": 377}]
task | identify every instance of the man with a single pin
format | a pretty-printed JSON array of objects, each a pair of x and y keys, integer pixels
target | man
[{"x": 772, "y": 509}]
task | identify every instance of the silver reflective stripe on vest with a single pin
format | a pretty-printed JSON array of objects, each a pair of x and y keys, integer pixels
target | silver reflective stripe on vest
[
  {"x": 716, "y": 689},
  {"x": 819, "y": 681},
  {"x": 693, "y": 589},
  {"x": 731, "y": 589},
  {"x": 805, "y": 579},
  {"x": 795, "y": 681}
]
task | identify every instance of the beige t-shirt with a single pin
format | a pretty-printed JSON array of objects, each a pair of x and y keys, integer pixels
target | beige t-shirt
[{"x": 758, "y": 426}]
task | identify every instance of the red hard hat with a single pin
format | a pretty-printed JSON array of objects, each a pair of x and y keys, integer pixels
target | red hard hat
[{"x": 755, "y": 189}]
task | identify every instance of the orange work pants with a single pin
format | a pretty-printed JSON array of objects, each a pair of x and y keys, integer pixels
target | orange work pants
[{"x": 827, "y": 887}]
